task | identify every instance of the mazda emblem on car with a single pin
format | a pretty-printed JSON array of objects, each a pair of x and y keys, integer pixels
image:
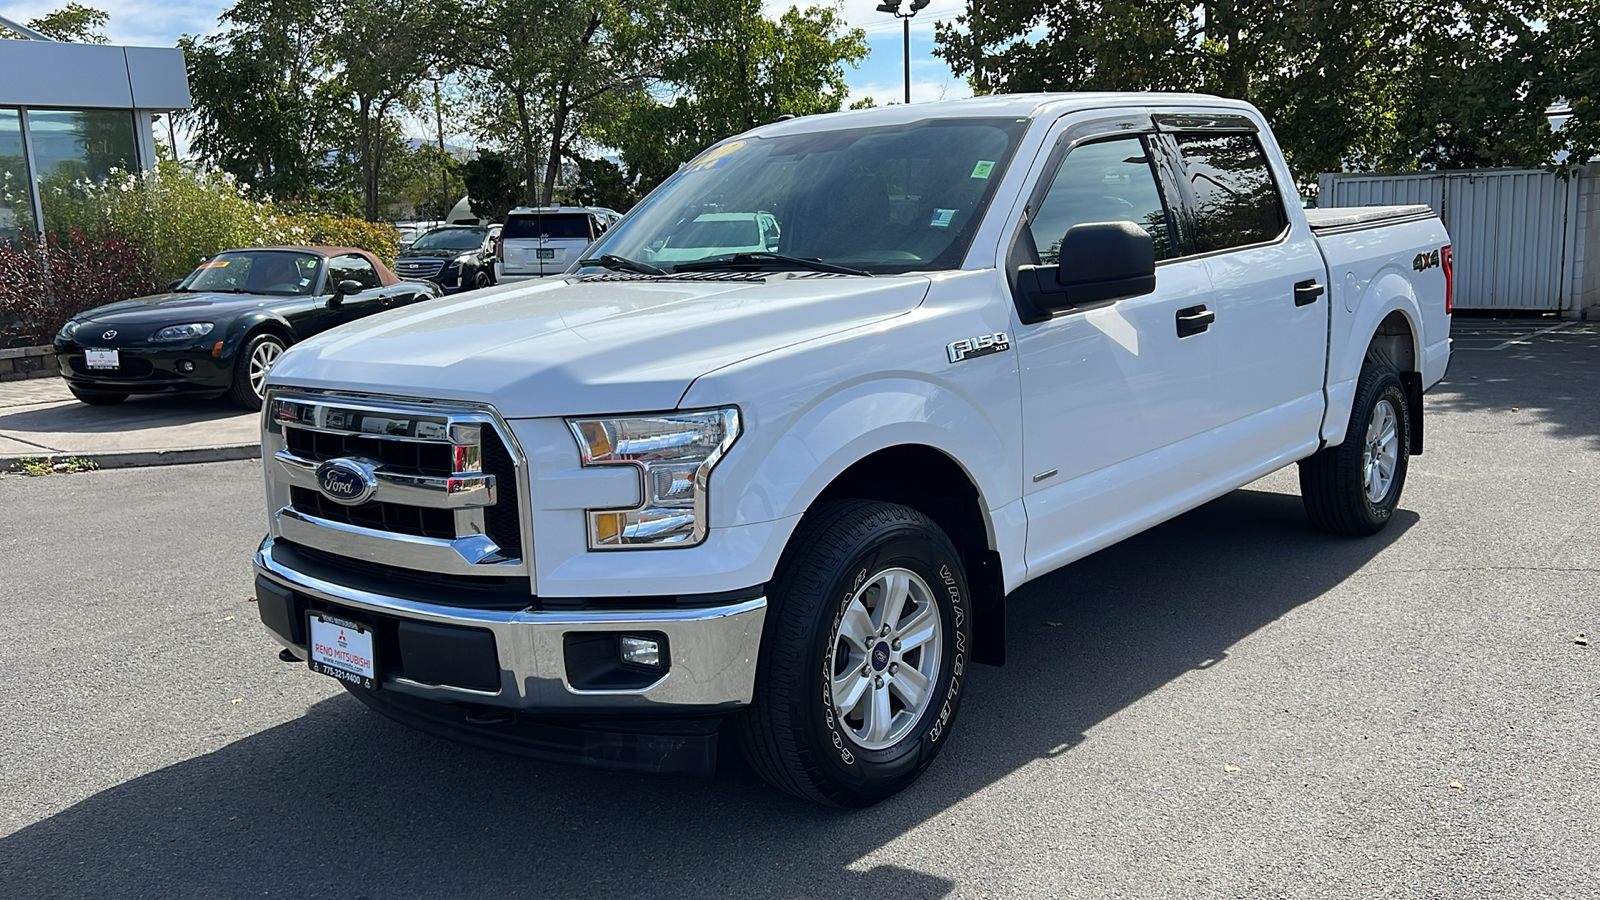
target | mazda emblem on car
[
  {"x": 109, "y": 335},
  {"x": 347, "y": 481}
]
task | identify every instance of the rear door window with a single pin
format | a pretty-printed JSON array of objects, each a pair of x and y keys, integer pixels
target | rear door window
[
  {"x": 565, "y": 226},
  {"x": 1236, "y": 201}
]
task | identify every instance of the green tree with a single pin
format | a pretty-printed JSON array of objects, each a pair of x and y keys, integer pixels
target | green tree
[
  {"x": 1346, "y": 83},
  {"x": 383, "y": 50},
  {"x": 491, "y": 183},
  {"x": 265, "y": 110},
  {"x": 74, "y": 23},
  {"x": 745, "y": 70}
]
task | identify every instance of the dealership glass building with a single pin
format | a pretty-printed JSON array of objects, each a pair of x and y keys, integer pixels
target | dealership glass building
[{"x": 75, "y": 112}]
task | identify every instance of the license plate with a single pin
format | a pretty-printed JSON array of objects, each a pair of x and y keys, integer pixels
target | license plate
[
  {"x": 547, "y": 254},
  {"x": 102, "y": 359},
  {"x": 342, "y": 649}
]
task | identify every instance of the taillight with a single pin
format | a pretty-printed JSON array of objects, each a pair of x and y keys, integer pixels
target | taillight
[
  {"x": 1446, "y": 262},
  {"x": 499, "y": 246}
]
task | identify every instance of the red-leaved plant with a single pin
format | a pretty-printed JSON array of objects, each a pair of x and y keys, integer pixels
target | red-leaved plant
[{"x": 42, "y": 287}]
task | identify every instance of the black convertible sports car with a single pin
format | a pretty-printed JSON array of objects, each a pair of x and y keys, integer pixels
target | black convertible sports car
[{"x": 219, "y": 330}]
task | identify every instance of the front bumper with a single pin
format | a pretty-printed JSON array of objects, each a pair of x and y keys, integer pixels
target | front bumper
[
  {"x": 147, "y": 370},
  {"x": 531, "y": 660}
]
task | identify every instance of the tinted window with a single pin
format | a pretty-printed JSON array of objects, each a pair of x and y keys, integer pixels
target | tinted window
[
  {"x": 256, "y": 272},
  {"x": 451, "y": 239},
  {"x": 1109, "y": 181},
  {"x": 884, "y": 199},
  {"x": 352, "y": 268},
  {"x": 572, "y": 226},
  {"x": 1235, "y": 199}
]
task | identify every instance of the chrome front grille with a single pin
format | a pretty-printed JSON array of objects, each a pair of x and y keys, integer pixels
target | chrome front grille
[
  {"x": 418, "y": 268},
  {"x": 438, "y": 485}
]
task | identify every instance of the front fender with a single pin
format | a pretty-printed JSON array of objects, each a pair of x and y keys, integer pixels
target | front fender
[{"x": 250, "y": 322}]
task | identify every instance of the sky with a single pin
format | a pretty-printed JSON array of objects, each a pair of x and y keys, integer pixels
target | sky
[{"x": 160, "y": 24}]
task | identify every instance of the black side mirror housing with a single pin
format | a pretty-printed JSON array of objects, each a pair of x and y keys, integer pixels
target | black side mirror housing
[
  {"x": 1100, "y": 262},
  {"x": 174, "y": 284},
  {"x": 342, "y": 290}
]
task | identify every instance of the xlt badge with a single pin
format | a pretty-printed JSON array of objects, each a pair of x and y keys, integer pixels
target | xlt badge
[{"x": 982, "y": 345}]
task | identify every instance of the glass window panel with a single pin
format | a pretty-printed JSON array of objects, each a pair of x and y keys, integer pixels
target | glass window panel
[
  {"x": 16, "y": 201},
  {"x": 353, "y": 268},
  {"x": 76, "y": 145},
  {"x": 1109, "y": 181},
  {"x": 1235, "y": 198}
]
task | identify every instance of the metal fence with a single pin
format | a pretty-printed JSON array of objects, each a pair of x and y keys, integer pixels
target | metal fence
[{"x": 1523, "y": 239}]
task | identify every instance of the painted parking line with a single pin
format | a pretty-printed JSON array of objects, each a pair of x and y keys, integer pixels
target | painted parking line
[{"x": 1499, "y": 339}]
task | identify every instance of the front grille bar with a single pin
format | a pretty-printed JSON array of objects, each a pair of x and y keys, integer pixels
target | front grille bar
[
  {"x": 459, "y": 490},
  {"x": 414, "y": 454}
]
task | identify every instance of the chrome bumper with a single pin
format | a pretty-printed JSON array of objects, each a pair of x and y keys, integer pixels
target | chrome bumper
[{"x": 713, "y": 664}]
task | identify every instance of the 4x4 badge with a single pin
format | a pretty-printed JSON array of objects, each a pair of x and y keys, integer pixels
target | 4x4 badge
[{"x": 982, "y": 345}]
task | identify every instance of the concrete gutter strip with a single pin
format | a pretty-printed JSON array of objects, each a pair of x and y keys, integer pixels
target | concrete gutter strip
[{"x": 130, "y": 459}]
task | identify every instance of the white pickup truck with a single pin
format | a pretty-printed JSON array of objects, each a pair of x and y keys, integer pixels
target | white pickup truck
[{"x": 778, "y": 497}]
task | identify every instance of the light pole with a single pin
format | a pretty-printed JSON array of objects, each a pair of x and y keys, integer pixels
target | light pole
[{"x": 893, "y": 8}]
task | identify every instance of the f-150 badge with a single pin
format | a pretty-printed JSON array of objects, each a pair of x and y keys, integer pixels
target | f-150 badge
[{"x": 982, "y": 345}]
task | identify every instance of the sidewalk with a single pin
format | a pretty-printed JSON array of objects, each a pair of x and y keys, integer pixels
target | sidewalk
[{"x": 39, "y": 418}]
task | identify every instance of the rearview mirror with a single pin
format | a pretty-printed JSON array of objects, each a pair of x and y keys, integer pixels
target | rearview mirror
[{"x": 1100, "y": 262}]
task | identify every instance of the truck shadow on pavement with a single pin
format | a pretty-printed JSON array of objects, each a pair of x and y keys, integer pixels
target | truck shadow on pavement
[{"x": 342, "y": 802}]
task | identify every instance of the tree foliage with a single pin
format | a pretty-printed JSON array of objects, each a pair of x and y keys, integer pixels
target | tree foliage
[
  {"x": 73, "y": 23},
  {"x": 1396, "y": 84}
]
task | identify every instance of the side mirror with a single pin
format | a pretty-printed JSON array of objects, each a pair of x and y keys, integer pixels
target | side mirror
[
  {"x": 342, "y": 290},
  {"x": 174, "y": 284},
  {"x": 1100, "y": 262}
]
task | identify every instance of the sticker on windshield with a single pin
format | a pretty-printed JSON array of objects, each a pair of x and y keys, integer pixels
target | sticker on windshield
[
  {"x": 216, "y": 264},
  {"x": 942, "y": 218},
  {"x": 983, "y": 168},
  {"x": 304, "y": 282},
  {"x": 715, "y": 157}
]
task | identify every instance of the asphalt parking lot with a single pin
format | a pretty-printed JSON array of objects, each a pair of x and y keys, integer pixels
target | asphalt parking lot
[{"x": 1230, "y": 705}]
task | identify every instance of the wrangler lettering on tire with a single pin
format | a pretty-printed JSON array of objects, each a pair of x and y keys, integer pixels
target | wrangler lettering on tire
[{"x": 861, "y": 662}]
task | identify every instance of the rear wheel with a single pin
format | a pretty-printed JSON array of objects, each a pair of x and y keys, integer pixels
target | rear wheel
[
  {"x": 1354, "y": 488},
  {"x": 862, "y": 655},
  {"x": 96, "y": 399},
  {"x": 250, "y": 369}
]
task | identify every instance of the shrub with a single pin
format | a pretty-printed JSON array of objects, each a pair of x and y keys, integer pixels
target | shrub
[
  {"x": 40, "y": 291},
  {"x": 136, "y": 231}
]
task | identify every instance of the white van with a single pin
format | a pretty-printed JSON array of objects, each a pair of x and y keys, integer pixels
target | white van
[{"x": 544, "y": 240}]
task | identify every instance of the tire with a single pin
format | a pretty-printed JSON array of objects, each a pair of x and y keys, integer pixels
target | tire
[
  {"x": 480, "y": 281},
  {"x": 250, "y": 370},
  {"x": 97, "y": 399},
  {"x": 803, "y": 732},
  {"x": 1343, "y": 487}
]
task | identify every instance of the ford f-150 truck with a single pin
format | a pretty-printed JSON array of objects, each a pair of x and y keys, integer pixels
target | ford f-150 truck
[{"x": 777, "y": 497}]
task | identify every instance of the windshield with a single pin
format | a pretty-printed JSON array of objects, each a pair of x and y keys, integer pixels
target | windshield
[
  {"x": 884, "y": 200},
  {"x": 282, "y": 272},
  {"x": 451, "y": 239}
]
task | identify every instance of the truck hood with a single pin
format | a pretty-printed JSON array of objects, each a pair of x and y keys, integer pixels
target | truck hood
[{"x": 599, "y": 344}]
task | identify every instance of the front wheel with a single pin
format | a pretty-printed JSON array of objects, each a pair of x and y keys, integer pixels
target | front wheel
[
  {"x": 862, "y": 657},
  {"x": 1354, "y": 488},
  {"x": 250, "y": 370}
]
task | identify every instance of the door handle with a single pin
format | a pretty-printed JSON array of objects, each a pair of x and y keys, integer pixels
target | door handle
[
  {"x": 1306, "y": 292},
  {"x": 1194, "y": 319}
]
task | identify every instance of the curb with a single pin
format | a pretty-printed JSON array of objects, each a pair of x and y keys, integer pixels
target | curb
[{"x": 128, "y": 459}]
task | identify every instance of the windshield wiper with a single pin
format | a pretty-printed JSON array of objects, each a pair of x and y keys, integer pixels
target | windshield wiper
[
  {"x": 622, "y": 264},
  {"x": 763, "y": 259}
]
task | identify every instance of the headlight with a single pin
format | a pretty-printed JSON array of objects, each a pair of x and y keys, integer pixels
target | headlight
[
  {"x": 183, "y": 332},
  {"x": 460, "y": 261},
  {"x": 675, "y": 453},
  {"x": 67, "y": 330}
]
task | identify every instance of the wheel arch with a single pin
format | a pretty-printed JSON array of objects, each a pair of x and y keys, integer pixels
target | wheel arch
[
  {"x": 932, "y": 482},
  {"x": 250, "y": 326},
  {"x": 1386, "y": 327}
]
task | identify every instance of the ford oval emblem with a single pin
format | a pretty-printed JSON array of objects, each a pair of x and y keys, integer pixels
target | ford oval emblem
[{"x": 346, "y": 481}]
